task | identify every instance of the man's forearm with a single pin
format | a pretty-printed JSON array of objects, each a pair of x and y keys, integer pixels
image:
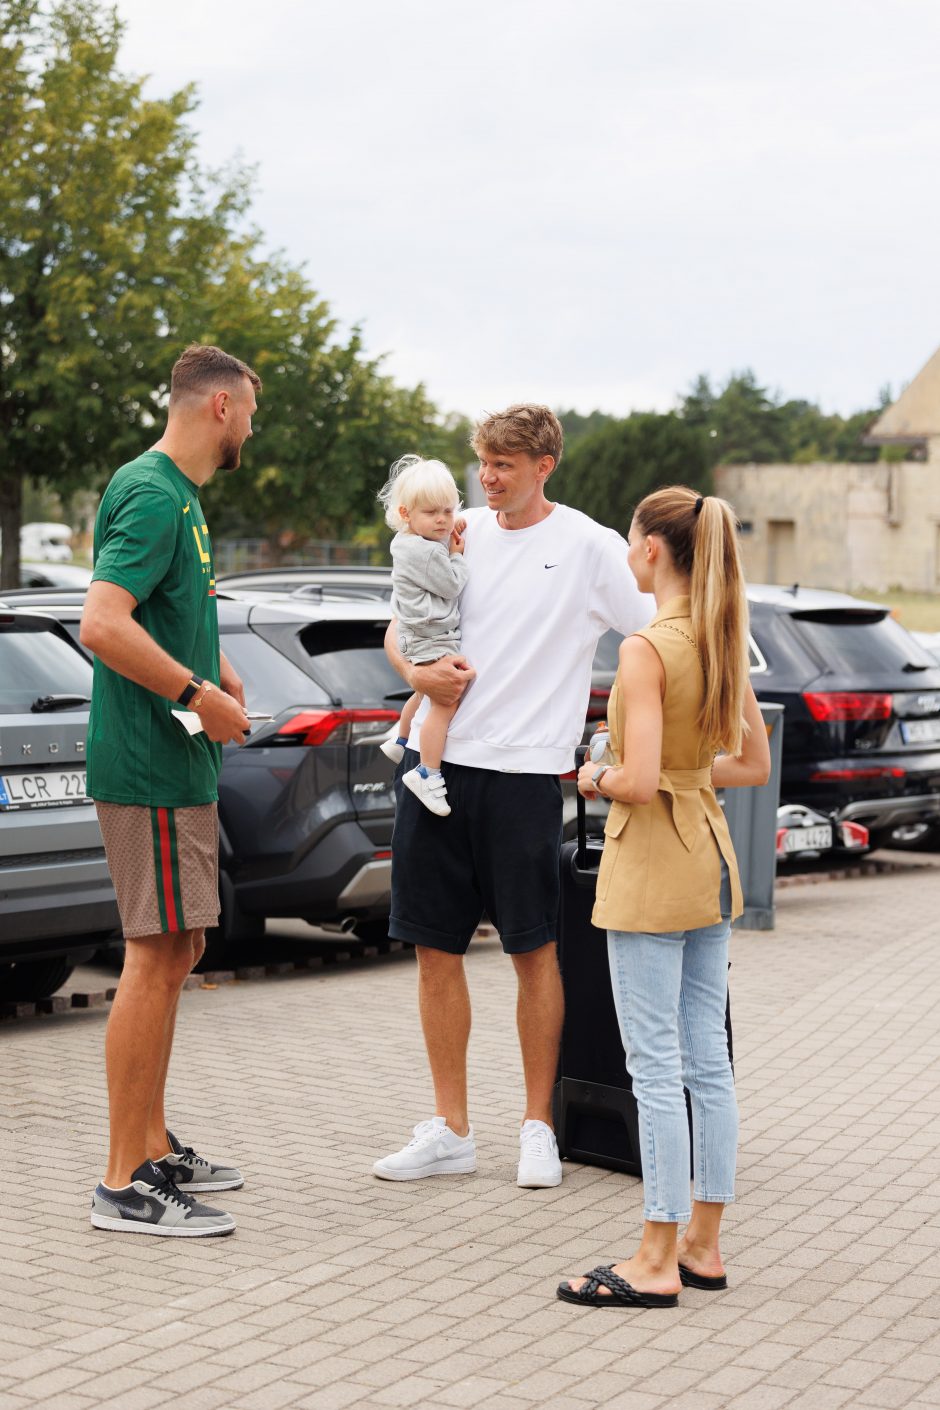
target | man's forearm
[
  {"x": 443, "y": 681},
  {"x": 124, "y": 646}
]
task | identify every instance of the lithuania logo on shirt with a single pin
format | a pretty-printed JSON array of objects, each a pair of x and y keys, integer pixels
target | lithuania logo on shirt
[{"x": 202, "y": 548}]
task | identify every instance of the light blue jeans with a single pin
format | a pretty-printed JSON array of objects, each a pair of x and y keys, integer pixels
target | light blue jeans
[{"x": 670, "y": 991}]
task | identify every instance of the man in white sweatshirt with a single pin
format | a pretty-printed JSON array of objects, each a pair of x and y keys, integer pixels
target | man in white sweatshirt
[{"x": 544, "y": 582}]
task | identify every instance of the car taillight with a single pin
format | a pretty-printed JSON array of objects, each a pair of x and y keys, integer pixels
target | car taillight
[
  {"x": 597, "y": 704},
  {"x": 850, "y": 775},
  {"x": 781, "y": 841},
  {"x": 853, "y": 834},
  {"x": 828, "y": 706},
  {"x": 333, "y": 726}
]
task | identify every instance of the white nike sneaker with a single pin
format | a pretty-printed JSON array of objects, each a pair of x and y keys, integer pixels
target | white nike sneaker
[
  {"x": 392, "y": 749},
  {"x": 431, "y": 791},
  {"x": 539, "y": 1161},
  {"x": 434, "y": 1149}
]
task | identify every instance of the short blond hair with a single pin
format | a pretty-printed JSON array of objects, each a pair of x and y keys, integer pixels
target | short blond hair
[
  {"x": 525, "y": 427},
  {"x": 414, "y": 483}
]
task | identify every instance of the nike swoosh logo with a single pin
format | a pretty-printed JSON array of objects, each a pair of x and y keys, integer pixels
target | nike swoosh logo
[
  {"x": 551, "y": 565},
  {"x": 142, "y": 1211}
]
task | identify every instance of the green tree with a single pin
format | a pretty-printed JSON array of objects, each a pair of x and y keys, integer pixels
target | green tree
[
  {"x": 576, "y": 425},
  {"x": 329, "y": 423},
  {"x": 117, "y": 249},
  {"x": 109, "y": 230},
  {"x": 607, "y": 473},
  {"x": 848, "y": 437},
  {"x": 744, "y": 423}
]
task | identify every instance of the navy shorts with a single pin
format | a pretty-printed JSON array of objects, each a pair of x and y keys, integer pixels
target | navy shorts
[{"x": 496, "y": 854}]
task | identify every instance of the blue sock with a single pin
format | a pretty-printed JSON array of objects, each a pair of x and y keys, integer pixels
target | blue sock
[
  {"x": 426, "y": 772},
  {"x": 401, "y": 740}
]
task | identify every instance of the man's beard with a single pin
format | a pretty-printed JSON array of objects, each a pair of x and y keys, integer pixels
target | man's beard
[{"x": 230, "y": 453}]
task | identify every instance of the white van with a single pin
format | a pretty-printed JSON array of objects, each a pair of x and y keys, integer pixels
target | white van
[{"x": 46, "y": 543}]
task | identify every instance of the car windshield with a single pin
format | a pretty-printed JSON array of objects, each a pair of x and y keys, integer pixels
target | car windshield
[
  {"x": 857, "y": 641},
  {"x": 348, "y": 659},
  {"x": 36, "y": 663},
  {"x": 271, "y": 681}
]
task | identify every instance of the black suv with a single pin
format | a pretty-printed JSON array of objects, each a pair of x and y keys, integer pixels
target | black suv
[
  {"x": 306, "y": 806},
  {"x": 861, "y": 731}
]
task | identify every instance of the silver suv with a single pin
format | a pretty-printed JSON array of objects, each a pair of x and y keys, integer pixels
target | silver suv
[{"x": 57, "y": 904}]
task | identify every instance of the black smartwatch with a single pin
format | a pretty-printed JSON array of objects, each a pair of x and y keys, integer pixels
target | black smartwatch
[{"x": 192, "y": 688}]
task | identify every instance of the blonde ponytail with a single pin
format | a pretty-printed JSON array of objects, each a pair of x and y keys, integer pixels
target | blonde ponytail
[
  {"x": 701, "y": 532},
  {"x": 719, "y": 624}
]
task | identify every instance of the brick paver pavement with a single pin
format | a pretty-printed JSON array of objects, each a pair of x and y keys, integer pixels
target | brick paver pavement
[{"x": 340, "y": 1290}]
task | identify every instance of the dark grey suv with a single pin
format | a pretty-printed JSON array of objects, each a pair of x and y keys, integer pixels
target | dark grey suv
[
  {"x": 306, "y": 806},
  {"x": 57, "y": 905}
]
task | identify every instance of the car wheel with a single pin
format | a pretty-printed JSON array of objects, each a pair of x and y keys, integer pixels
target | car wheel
[
  {"x": 879, "y": 837},
  {"x": 28, "y": 980},
  {"x": 918, "y": 837}
]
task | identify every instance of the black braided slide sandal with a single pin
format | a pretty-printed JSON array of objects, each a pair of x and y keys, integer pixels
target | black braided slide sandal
[
  {"x": 699, "y": 1280},
  {"x": 620, "y": 1293}
]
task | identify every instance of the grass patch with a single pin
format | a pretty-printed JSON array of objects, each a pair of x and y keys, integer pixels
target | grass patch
[{"x": 918, "y": 611}]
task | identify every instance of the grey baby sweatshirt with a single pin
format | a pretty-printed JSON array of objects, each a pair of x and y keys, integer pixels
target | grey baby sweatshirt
[{"x": 426, "y": 582}]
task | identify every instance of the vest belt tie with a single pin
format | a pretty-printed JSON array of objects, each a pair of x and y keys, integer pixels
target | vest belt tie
[{"x": 681, "y": 787}]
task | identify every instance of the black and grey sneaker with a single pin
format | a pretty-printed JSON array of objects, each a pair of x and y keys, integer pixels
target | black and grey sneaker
[
  {"x": 199, "y": 1176},
  {"x": 151, "y": 1204}
]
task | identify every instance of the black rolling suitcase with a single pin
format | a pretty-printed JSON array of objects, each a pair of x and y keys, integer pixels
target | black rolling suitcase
[{"x": 594, "y": 1106}]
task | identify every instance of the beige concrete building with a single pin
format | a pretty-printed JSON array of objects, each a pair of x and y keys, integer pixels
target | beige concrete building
[{"x": 849, "y": 526}]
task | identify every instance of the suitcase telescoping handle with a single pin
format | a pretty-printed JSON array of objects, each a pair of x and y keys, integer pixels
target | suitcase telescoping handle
[{"x": 580, "y": 754}]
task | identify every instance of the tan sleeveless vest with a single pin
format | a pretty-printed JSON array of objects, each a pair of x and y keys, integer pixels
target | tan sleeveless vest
[{"x": 661, "y": 868}]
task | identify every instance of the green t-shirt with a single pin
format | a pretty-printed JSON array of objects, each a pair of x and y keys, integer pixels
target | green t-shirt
[{"x": 151, "y": 539}]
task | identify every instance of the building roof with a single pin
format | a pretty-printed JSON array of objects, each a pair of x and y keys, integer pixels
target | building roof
[{"x": 915, "y": 416}]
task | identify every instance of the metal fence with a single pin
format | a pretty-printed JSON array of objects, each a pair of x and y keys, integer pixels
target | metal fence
[{"x": 241, "y": 555}]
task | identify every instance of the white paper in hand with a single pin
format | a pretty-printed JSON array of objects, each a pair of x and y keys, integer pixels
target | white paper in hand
[{"x": 189, "y": 720}]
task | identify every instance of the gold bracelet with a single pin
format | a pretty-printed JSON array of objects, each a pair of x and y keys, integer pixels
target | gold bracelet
[{"x": 197, "y": 700}]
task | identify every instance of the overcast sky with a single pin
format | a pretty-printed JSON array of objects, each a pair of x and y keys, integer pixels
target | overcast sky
[{"x": 588, "y": 202}]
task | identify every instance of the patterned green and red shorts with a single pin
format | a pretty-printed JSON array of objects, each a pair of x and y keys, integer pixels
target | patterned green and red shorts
[{"x": 164, "y": 864}]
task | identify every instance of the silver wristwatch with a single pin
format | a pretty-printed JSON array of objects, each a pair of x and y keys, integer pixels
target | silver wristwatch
[{"x": 598, "y": 775}]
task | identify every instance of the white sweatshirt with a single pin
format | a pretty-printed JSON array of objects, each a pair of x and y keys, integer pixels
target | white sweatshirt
[{"x": 535, "y": 604}]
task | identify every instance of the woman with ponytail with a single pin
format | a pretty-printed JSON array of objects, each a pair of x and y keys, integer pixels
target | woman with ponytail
[{"x": 683, "y": 722}]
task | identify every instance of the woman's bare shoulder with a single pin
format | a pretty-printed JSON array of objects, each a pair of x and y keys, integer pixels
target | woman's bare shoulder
[
  {"x": 638, "y": 657},
  {"x": 637, "y": 648}
]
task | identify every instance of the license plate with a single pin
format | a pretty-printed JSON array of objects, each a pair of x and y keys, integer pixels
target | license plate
[
  {"x": 49, "y": 789},
  {"x": 920, "y": 731},
  {"x": 808, "y": 839}
]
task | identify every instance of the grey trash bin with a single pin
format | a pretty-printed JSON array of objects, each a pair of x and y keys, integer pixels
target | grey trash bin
[{"x": 752, "y": 820}]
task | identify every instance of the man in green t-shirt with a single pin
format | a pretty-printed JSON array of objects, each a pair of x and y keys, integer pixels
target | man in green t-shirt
[{"x": 150, "y": 618}]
